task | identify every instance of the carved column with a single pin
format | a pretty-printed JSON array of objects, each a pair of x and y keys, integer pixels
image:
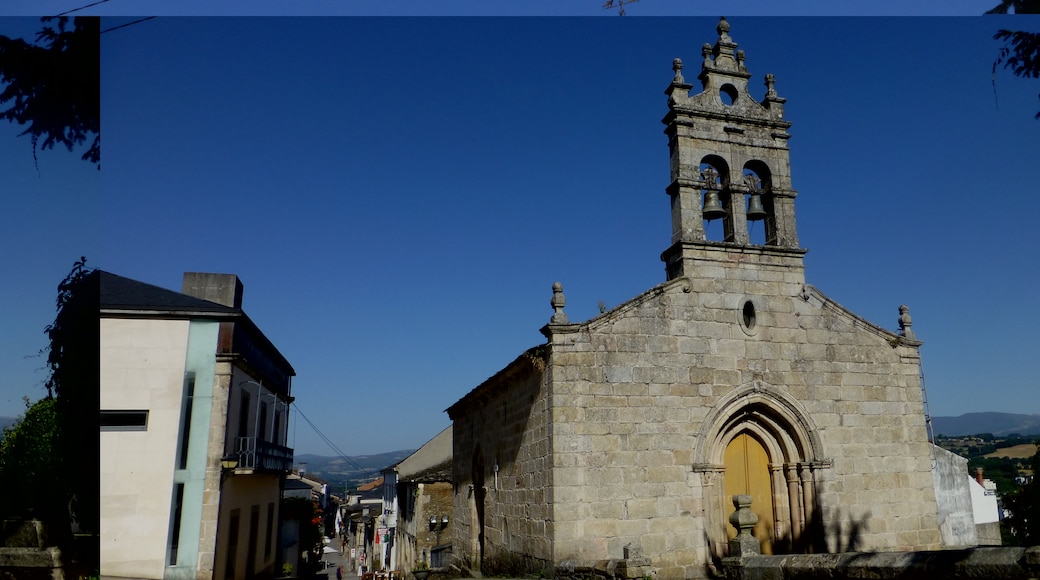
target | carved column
[
  {"x": 797, "y": 515},
  {"x": 781, "y": 517},
  {"x": 807, "y": 490}
]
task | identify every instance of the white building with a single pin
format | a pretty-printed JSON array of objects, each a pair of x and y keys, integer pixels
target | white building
[
  {"x": 984, "y": 508},
  {"x": 194, "y": 415}
]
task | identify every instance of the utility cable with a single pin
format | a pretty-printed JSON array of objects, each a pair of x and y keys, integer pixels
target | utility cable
[
  {"x": 127, "y": 24},
  {"x": 82, "y": 7},
  {"x": 328, "y": 441}
]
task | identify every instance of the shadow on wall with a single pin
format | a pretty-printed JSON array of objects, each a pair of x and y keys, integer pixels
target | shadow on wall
[{"x": 817, "y": 537}]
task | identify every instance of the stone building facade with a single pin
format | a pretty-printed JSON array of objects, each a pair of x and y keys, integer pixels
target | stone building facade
[{"x": 624, "y": 437}]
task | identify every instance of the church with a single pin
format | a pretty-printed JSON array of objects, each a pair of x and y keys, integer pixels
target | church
[{"x": 624, "y": 438}]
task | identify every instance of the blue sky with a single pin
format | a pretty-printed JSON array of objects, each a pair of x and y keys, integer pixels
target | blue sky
[
  {"x": 399, "y": 194},
  {"x": 485, "y": 8}
]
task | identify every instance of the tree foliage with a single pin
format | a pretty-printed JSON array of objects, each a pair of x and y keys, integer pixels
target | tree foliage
[
  {"x": 1024, "y": 507},
  {"x": 1021, "y": 50},
  {"x": 73, "y": 358},
  {"x": 1018, "y": 6},
  {"x": 30, "y": 470},
  {"x": 53, "y": 85}
]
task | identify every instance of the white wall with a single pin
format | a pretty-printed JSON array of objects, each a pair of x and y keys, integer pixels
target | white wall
[
  {"x": 953, "y": 499},
  {"x": 142, "y": 368},
  {"x": 983, "y": 503}
]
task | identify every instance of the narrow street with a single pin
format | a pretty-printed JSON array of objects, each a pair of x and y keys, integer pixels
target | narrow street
[{"x": 334, "y": 560}]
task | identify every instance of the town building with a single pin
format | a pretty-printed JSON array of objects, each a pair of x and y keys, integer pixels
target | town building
[
  {"x": 194, "y": 416},
  {"x": 424, "y": 492},
  {"x": 625, "y": 438},
  {"x": 362, "y": 512},
  {"x": 985, "y": 509}
]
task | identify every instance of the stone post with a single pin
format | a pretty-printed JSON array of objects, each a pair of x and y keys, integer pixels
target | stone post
[{"x": 743, "y": 520}]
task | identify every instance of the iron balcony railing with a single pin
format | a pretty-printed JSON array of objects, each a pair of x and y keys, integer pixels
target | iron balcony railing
[{"x": 260, "y": 455}]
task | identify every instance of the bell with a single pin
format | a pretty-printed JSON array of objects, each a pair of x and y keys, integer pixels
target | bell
[
  {"x": 713, "y": 206},
  {"x": 755, "y": 211}
]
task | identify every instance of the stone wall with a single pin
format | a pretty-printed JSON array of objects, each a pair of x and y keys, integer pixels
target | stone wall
[
  {"x": 26, "y": 555},
  {"x": 501, "y": 446},
  {"x": 989, "y": 563},
  {"x": 645, "y": 396}
]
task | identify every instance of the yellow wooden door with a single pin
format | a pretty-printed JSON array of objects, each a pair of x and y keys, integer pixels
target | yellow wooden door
[{"x": 747, "y": 472}]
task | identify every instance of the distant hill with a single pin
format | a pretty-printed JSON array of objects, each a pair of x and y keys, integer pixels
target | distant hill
[
  {"x": 341, "y": 474},
  {"x": 996, "y": 423}
]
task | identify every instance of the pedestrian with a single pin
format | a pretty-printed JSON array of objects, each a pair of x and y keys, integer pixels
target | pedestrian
[{"x": 339, "y": 573}]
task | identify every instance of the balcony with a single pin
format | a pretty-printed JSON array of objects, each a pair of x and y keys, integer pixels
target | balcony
[{"x": 257, "y": 455}]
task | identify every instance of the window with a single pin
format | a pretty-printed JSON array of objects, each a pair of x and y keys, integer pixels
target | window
[
  {"x": 232, "y": 550},
  {"x": 189, "y": 394},
  {"x": 261, "y": 426},
  {"x": 748, "y": 317},
  {"x": 175, "y": 523},
  {"x": 254, "y": 526},
  {"x": 243, "y": 415},
  {"x": 124, "y": 420},
  {"x": 269, "y": 539}
]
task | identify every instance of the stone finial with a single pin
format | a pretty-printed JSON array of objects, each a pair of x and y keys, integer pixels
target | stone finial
[
  {"x": 677, "y": 67},
  {"x": 743, "y": 519},
  {"x": 770, "y": 85},
  {"x": 904, "y": 323},
  {"x": 740, "y": 61},
  {"x": 558, "y": 302},
  {"x": 723, "y": 29},
  {"x": 706, "y": 53}
]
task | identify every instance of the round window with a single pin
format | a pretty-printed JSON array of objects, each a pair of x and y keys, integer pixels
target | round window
[{"x": 748, "y": 314}]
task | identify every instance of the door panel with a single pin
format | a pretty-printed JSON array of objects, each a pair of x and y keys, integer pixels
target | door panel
[{"x": 747, "y": 472}]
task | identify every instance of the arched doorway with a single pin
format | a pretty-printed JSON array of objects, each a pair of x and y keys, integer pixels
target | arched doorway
[{"x": 759, "y": 441}]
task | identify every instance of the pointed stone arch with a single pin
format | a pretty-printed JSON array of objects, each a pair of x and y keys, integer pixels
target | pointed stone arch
[{"x": 785, "y": 431}]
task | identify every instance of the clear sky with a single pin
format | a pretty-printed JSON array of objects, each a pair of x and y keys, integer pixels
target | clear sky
[
  {"x": 498, "y": 8},
  {"x": 399, "y": 194}
]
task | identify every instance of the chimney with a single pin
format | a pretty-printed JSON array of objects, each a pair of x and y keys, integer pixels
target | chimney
[
  {"x": 223, "y": 289},
  {"x": 978, "y": 476}
]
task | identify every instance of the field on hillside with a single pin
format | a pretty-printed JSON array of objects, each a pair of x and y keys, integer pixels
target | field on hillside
[{"x": 1023, "y": 451}]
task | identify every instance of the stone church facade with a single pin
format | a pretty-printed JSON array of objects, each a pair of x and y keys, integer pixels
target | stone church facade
[{"x": 625, "y": 437}]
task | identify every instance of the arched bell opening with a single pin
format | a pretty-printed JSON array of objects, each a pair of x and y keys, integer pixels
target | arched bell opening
[
  {"x": 759, "y": 209},
  {"x": 763, "y": 445},
  {"x": 716, "y": 201}
]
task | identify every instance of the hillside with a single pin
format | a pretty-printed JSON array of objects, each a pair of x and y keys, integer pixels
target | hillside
[
  {"x": 994, "y": 423},
  {"x": 341, "y": 473}
]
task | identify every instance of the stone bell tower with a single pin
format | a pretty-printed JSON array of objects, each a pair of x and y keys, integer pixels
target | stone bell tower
[{"x": 729, "y": 162}]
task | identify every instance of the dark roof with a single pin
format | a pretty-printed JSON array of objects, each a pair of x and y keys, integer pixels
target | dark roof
[
  {"x": 119, "y": 293},
  {"x": 123, "y": 297},
  {"x": 437, "y": 473}
]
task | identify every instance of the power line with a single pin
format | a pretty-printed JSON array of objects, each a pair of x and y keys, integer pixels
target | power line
[
  {"x": 328, "y": 441},
  {"x": 125, "y": 25},
  {"x": 82, "y": 7}
]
